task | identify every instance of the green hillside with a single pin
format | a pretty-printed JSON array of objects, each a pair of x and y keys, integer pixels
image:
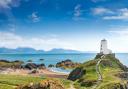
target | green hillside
[{"x": 103, "y": 72}]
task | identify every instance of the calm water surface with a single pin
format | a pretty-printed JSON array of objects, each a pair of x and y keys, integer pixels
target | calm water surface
[{"x": 54, "y": 58}]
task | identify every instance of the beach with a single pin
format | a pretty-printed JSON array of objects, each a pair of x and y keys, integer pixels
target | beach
[{"x": 41, "y": 72}]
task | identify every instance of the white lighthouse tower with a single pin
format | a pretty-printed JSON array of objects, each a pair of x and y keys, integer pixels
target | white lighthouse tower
[{"x": 103, "y": 48}]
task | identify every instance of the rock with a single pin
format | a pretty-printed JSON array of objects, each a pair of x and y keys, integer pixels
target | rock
[
  {"x": 67, "y": 64},
  {"x": 31, "y": 66},
  {"x": 18, "y": 61},
  {"x": 11, "y": 64},
  {"x": 41, "y": 59},
  {"x": 50, "y": 65},
  {"x": 29, "y": 61},
  {"x": 76, "y": 74},
  {"x": 6, "y": 61},
  {"x": 41, "y": 66}
]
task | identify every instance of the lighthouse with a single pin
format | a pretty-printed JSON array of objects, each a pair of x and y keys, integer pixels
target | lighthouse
[{"x": 103, "y": 48}]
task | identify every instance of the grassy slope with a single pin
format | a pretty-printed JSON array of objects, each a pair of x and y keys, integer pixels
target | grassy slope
[{"x": 109, "y": 67}]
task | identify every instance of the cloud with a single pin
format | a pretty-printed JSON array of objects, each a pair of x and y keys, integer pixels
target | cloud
[
  {"x": 122, "y": 32},
  {"x": 9, "y": 3},
  {"x": 119, "y": 39},
  {"x": 5, "y": 9},
  {"x": 34, "y": 17},
  {"x": 77, "y": 15},
  {"x": 120, "y": 14},
  {"x": 101, "y": 11},
  {"x": 108, "y": 14},
  {"x": 5, "y": 3},
  {"x": 11, "y": 40},
  {"x": 77, "y": 10}
]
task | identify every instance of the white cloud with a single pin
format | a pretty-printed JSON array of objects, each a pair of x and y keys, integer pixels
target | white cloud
[
  {"x": 119, "y": 39},
  {"x": 120, "y": 14},
  {"x": 77, "y": 15},
  {"x": 9, "y": 3},
  {"x": 123, "y": 32},
  {"x": 5, "y": 3},
  {"x": 11, "y": 40},
  {"x": 34, "y": 17},
  {"x": 77, "y": 10},
  {"x": 101, "y": 11},
  {"x": 108, "y": 14}
]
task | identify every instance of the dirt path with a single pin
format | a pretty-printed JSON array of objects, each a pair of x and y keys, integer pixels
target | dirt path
[
  {"x": 98, "y": 71},
  {"x": 100, "y": 78}
]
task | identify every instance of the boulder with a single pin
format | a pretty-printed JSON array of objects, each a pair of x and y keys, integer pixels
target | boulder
[
  {"x": 67, "y": 64},
  {"x": 29, "y": 61},
  {"x": 76, "y": 74},
  {"x": 6, "y": 61},
  {"x": 31, "y": 66},
  {"x": 41, "y": 59},
  {"x": 41, "y": 66},
  {"x": 50, "y": 65}
]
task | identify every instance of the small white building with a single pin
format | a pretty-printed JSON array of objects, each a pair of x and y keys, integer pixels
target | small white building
[{"x": 103, "y": 48}]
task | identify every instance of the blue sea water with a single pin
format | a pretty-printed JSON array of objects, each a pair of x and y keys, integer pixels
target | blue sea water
[
  {"x": 48, "y": 58},
  {"x": 54, "y": 58}
]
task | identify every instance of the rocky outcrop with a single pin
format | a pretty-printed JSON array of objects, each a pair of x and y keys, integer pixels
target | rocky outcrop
[
  {"x": 20, "y": 64},
  {"x": 10, "y": 64},
  {"x": 41, "y": 59},
  {"x": 41, "y": 66},
  {"x": 76, "y": 74},
  {"x": 50, "y": 65},
  {"x": 44, "y": 84},
  {"x": 67, "y": 64},
  {"x": 31, "y": 66},
  {"x": 29, "y": 61}
]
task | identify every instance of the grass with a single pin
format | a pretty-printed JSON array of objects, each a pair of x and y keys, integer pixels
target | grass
[
  {"x": 11, "y": 81},
  {"x": 66, "y": 83},
  {"x": 110, "y": 66}
]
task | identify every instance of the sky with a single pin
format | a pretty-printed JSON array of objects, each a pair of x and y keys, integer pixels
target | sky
[{"x": 67, "y": 24}]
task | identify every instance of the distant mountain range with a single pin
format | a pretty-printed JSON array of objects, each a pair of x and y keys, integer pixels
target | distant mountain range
[{"x": 31, "y": 50}]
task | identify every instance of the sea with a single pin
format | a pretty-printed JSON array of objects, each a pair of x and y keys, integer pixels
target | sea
[{"x": 54, "y": 58}]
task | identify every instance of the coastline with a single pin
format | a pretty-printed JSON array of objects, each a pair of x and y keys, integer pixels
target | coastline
[
  {"x": 59, "y": 70},
  {"x": 41, "y": 72}
]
